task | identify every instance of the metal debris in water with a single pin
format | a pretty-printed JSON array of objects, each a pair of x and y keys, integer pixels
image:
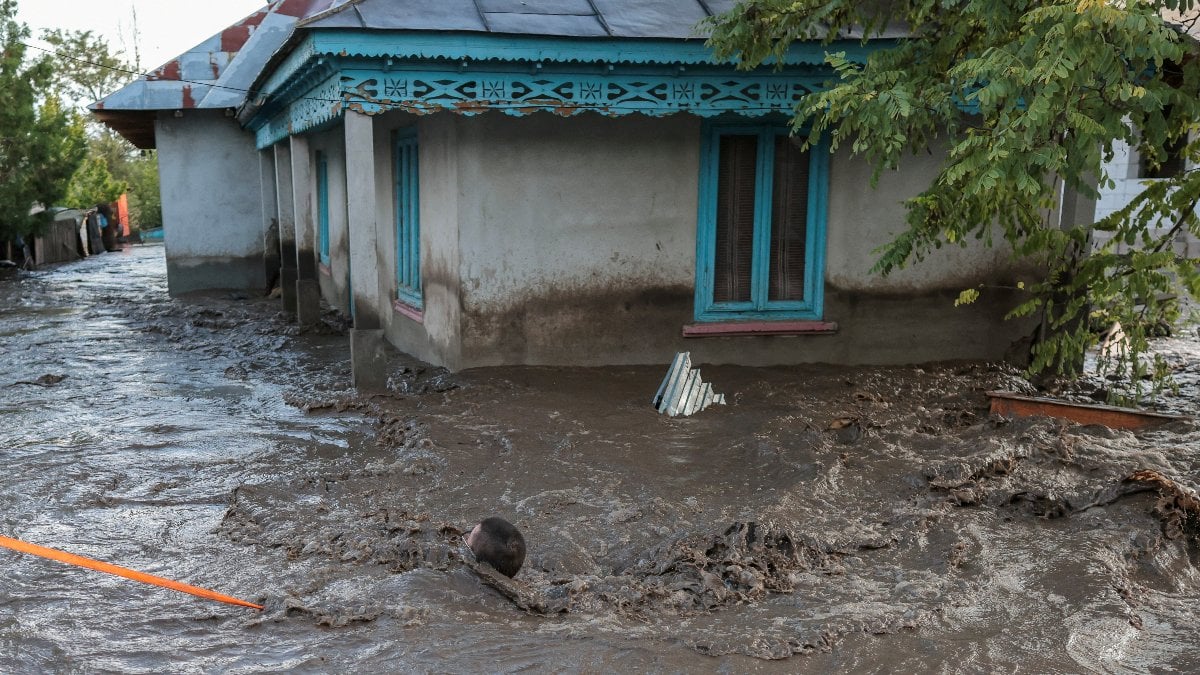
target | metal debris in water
[{"x": 682, "y": 392}]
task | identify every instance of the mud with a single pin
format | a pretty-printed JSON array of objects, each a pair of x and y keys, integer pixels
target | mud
[{"x": 851, "y": 519}]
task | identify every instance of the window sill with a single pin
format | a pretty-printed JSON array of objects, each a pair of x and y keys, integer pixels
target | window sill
[
  {"x": 404, "y": 309},
  {"x": 744, "y": 328}
]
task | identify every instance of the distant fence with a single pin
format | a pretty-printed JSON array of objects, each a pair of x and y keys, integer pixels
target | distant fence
[{"x": 60, "y": 242}]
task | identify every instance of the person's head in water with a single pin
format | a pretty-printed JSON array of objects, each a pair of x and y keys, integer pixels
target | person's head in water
[{"x": 498, "y": 543}]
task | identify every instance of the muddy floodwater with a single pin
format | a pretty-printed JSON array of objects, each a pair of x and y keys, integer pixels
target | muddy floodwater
[{"x": 825, "y": 519}]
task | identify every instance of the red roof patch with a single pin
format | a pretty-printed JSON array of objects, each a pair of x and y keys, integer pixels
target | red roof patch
[{"x": 234, "y": 37}]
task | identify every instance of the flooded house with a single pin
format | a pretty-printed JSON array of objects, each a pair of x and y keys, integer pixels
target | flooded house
[{"x": 487, "y": 182}]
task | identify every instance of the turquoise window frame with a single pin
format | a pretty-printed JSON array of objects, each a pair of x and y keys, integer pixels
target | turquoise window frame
[
  {"x": 322, "y": 163},
  {"x": 759, "y": 307},
  {"x": 408, "y": 228}
]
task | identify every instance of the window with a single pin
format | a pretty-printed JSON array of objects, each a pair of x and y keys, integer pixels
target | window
[
  {"x": 1173, "y": 163},
  {"x": 761, "y": 238},
  {"x": 323, "y": 207},
  {"x": 408, "y": 231}
]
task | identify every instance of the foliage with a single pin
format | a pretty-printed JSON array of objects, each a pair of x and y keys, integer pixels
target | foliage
[
  {"x": 145, "y": 201},
  {"x": 41, "y": 142},
  {"x": 93, "y": 184},
  {"x": 1029, "y": 97},
  {"x": 85, "y": 68}
]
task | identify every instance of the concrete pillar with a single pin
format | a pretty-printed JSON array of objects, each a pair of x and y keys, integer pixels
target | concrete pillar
[
  {"x": 308, "y": 289},
  {"x": 270, "y": 217},
  {"x": 285, "y": 208},
  {"x": 368, "y": 353}
]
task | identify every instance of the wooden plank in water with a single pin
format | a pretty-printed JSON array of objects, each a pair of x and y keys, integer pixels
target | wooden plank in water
[{"x": 1015, "y": 405}]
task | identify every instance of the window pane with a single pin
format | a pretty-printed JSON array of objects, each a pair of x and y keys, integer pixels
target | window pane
[
  {"x": 789, "y": 221},
  {"x": 735, "y": 218},
  {"x": 323, "y": 207},
  {"x": 408, "y": 241}
]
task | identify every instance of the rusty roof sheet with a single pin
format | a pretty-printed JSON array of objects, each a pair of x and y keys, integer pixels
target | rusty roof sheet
[{"x": 214, "y": 74}]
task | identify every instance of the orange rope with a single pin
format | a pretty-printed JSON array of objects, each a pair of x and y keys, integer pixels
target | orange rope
[{"x": 72, "y": 559}]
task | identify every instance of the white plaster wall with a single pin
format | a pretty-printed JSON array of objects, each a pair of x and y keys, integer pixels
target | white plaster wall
[
  {"x": 212, "y": 202},
  {"x": 439, "y": 154},
  {"x": 577, "y": 236},
  {"x": 435, "y": 336},
  {"x": 563, "y": 204},
  {"x": 861, "y": 219}
]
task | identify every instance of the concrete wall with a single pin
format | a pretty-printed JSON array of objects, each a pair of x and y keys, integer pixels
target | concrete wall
[
  {"x": 549, "y": 240},
  {"x": 212, "y": 202},
  {"x": 909, "y": 315},
  {"x": 434, "y": 334},
  {"x": 577, "y": 244},
  {"x": 577, "y": 237}
]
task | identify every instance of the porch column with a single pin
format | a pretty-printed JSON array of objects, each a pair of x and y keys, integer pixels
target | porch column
[
  {"x": 308, "y": 289},
  {"x": 287, "y": 225},
  {"x": 270, "y": 216},
  {"x": 368, "y": 347}
]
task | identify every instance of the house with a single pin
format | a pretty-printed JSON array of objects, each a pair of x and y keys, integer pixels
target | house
[
  {"x": 487, "y": 182},
  {"x": 1130, "y": 173}
]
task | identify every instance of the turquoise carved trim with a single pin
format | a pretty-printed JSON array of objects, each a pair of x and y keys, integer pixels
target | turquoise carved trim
[
  {"x": 318, "y": 107},
  {"x": 330, "y": 71},
  {"x": 519, "y": 94},
  {"x": 706, "y": 94}
]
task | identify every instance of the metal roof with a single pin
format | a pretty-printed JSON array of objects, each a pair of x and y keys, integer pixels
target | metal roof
[
  {"x": 214, "y": 74},
  {"x": 630, "y": 19},
  {"x": 218, "y": 72}
]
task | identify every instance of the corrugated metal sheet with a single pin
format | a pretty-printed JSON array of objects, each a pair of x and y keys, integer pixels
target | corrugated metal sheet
[
  {"x": 444, "y": 15},
  {"x": 652, "y": 18},
  {"x": 672, "y": 19},
  {"x": 682, "y": 391}
]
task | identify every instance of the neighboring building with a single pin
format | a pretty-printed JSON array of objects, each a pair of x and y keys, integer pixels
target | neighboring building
[
  {"x": 1131, "y": 173},
  {"x": 485, "y": 182}
]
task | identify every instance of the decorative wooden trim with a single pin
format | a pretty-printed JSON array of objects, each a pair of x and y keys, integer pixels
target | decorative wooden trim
[
  {"x": 752, "y": 328},
  {"x": 404, "y": 309}
]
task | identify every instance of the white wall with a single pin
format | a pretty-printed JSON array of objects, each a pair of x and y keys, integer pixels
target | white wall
[
  {"x": 577, "y": 236},
  {"x": 549, "y": 240},
  {"x": 1123, "y": 169},
  {"x": 212, "y": 202}
]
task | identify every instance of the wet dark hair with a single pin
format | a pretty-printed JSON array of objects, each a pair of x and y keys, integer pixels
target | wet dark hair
[{"x": 500, "y": 544}]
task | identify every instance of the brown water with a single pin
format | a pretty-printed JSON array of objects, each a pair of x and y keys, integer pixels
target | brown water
[{"x": 857, "y": 520}]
